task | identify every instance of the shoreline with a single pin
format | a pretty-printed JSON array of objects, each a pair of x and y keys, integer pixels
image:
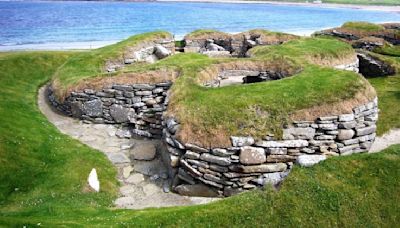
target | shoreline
[{"x": 321, "y": 5}]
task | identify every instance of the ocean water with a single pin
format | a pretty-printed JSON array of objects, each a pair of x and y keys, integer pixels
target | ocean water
[{"x": 59, "y": 25}]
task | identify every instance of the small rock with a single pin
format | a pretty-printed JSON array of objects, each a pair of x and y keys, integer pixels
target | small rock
[
  {"x": 242, "y": 141},
  {"x": 310, "y": 160},
  {"x": 118, "y": 158},
  {"x": 135, "y": 178},
  {"x": 145, "y": 152},
  {"x": 127, "y": 146},
  {"x": 93, "y": 180},
  {"x": 126, "y": 171},
  {"x": 252, "y": 155}
]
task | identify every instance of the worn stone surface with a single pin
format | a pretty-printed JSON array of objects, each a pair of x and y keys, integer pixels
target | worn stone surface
[
  {"x": 196, "y": 190},
  {"x": 145, "y": 152},
  {"x": 309, "y": 160},
  {"x": 252, "y": 155}
]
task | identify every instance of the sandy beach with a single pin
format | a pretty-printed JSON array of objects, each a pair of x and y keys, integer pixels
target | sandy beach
[{"x": 324, "y": 5}]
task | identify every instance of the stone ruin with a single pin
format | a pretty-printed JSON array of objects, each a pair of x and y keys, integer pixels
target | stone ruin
[{"x": 196, "y": 170}]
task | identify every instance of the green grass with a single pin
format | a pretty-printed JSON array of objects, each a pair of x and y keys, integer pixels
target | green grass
[
  {"x": 39, "y": 165},
  {"x": 390, "y": 50},
  {"x": 388, "y": 89},
  {"x": 354, "y": 2},
  {"x": 363, "y": 26},
  {"x": 50, "y": 170},
  {"x": 91, "y": 63},
  {"x": 324, "y": 49}
]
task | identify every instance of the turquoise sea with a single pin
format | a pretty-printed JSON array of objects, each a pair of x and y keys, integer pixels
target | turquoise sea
[{"x": 58, "y": 25}]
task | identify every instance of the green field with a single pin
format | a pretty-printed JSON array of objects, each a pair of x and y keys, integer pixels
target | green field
[{"x": 43, "y": 173}]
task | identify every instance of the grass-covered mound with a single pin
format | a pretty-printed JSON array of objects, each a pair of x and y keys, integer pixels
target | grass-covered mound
[
  {"x": 92, "y": 63},
  {"x": 210, "y": 116},
  {"x": 43, "y": 172}
]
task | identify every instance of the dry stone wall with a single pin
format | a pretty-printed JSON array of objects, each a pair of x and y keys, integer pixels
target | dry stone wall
[
  {"x": 249, "y": 163},
  {"x": 140, "y": 106}
]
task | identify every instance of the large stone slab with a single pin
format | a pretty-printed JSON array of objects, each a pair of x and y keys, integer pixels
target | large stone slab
[
  {"x": 145, "y": 152},
  {"x": 93, "y": 108},
  {"x": 283, "y": 143},
  {"x": 309, "y": 160},
  {"x": 252, "y": 155},
  {"x": 264, "y": 168}
]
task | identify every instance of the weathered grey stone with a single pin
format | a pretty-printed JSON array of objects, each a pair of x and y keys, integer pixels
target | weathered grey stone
[
  {"x": 199, "y": 163},
  {"x": 242, "y": 141},
  {"x": 264, "y": 168},
  {"x": 77, "y": 109},
  {"x": 309, "y": 160},
  {"x": 138, "y": 105},
  {"x": 325, "y": 137},
  {"x": 200, "y": 190},
  {"x": 346, "y": 149},
  {"x": 218, "y": 168},
  {"x": 283, "y": 143},
  {"x": 143, "y": 86},
  {"x": 192, "y": 155},
  {"x": 215, "y": 159},
  {"x": 185, "y": 177},
  {"x": 93, "y": 108},
  {"x": 252, "y": 155},
  {"x": 366, "y": 131},
  {"x": 328, "y": 126},
  {"x": 327, "y": 118},
  {"x": 143, "y": 93},
  {"x": 145, "y": 152},
  {"x": 350, "y": 142},
  {"x": 189, "y": 168},
  {"x": 298, "y": 133},
  {"x": 126, "y": 171},
  {"x": 277, "y": 150},
  {"x": 161, "y": 52},
  {"x": 346, "y": 117},
  {"x": 280, "y": 158},
  {"x": 347, "y": 125},
  {"x": 118, "y": 158},
  {"x": 135, "y": 178},
  {"x": 221, "y": 152},
  {"x": 196, "y": 148},
  {"x": 123, "y": 133},
  {"x": 345, "y": 134},
  {"x": 121, "y": 114},
  {"x": 127, "y": 88}
]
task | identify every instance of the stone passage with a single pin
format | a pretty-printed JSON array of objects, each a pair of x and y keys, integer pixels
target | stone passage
[{"x": 233, "y": 77}]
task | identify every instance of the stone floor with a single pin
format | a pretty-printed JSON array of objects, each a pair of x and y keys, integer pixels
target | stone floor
[{"x": 143, "y": 177}]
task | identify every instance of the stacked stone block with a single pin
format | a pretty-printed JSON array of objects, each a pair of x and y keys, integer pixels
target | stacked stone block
[
  {"x": 250, "y": 163},
  {"x": 140, "y": 106}
]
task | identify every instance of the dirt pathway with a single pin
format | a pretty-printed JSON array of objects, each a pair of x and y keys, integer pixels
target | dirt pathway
[
  {"x": 143, "y": 183},
  {"x": 386, "y": 140}
]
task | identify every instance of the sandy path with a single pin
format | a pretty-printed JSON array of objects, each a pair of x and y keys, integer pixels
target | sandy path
[
  {"x": 143, "y": 183},
  {"x": 386, "y": 140}
]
